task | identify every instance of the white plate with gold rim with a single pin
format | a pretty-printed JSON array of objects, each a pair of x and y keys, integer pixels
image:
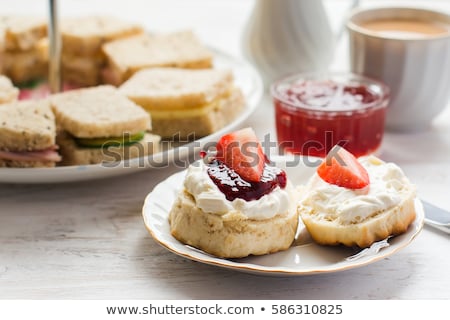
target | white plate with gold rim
[
  {"x": 246, "y": 78},
  {"x": 304, "y": 257}
]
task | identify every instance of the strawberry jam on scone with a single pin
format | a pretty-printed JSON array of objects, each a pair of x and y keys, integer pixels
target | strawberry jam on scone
[
  {"x": 235, "y": 204},
  {"x": 356, "y": 201}
]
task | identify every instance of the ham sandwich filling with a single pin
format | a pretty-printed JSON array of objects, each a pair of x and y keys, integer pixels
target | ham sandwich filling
[{"x": 49, "y": 154}]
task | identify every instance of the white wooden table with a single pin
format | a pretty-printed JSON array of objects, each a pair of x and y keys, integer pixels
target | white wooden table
[{"x": 87, "y": 240}]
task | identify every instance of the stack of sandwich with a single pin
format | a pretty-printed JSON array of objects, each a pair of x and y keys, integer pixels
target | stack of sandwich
[
  {"x": 82, "y": 58},
  {"x": 185, "y": 104},
  {"x": 23, "y": 47},
  {"x": 95, "y": 125},
  {"x": 100, "y": 125},
  {"x": 168, "y": 89},
  {"x": 27, "y": 135},
  {"x": 127, "y": 56}
]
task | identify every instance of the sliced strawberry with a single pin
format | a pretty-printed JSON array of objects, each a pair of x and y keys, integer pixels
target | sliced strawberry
[
  {"x": 242, "y": 152},
  {"x": 343, "y": 169}
]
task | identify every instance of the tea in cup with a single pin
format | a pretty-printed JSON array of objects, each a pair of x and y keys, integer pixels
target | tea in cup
[{"x": 408, "y": 49}]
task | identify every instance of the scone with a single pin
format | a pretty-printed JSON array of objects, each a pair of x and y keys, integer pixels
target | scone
[
  {"x": 357, "y": 202},
  {"x": 231, "y": 206}
]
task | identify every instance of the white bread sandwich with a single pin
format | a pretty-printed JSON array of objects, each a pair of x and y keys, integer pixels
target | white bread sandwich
[
  {"x": 83, "y": 37},
  {"x": 27, "y": 135},
  {"x": 82, "y": 70},
  {"x": 21, "y": 33},
  {"x": 24, "y": 66},
  {"x": 101, "y": 125},
  {"x": 24, "y": 55},
  {"x": 235, "y": 204},
  {"x": 356, "y": 202},
  {"x": 127, "y": 56},
  {"x": 8, "y": 93},
  {"x": 188, "y": 103}
]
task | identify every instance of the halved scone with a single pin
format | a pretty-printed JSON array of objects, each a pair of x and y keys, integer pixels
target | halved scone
[
  {"x": 235, "y": 204},
  {"x": 336, "y": 215},
  {"x": 232, "y": 235}
]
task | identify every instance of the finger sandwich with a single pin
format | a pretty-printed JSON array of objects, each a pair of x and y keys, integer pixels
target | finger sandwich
[
  {"x": 24, "y": 66},
  {"x": 27, "y": 135},
  {"x": 82, "y": 58},
  {"x": 8, "y": 93},
  {"x": 21, "y": 33},
  {"x": 24, "y": 56},
  {"x": 101, "y": 125},
  {"x": 80, "y": 70},
  {"x": 127, "y": 56},
  {"x": 188, "y": 103},
  {"x": 85, "y": 35}
]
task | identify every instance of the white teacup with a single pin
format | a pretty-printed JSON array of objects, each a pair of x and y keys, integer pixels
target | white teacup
[{"x": 409, "y": 50}]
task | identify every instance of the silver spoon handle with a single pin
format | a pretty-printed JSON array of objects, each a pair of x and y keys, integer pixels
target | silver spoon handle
[{"x": 54, "y": 36}]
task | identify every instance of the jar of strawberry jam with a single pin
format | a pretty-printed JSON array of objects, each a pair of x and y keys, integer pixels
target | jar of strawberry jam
[{"x": 314, "y": 112}]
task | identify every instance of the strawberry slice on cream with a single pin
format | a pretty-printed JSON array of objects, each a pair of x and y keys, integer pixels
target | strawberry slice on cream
[
  {"x": 242, "y": 151},
  {"x": 341, "y": 168}
]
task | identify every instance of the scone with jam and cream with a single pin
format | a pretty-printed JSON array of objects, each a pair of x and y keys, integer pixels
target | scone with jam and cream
[
  {"x": 356, "y": 201},
  {"x": 235, "y": 204}
]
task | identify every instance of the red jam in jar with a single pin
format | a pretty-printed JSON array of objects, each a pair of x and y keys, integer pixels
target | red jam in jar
[{"x": 314, "y": 113}]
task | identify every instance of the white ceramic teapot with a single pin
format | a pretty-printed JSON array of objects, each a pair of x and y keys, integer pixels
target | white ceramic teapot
[{"x": 287, "y": 36}]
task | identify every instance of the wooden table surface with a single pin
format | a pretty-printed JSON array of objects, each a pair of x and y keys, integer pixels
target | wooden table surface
[{"x": 87, "y": 240}]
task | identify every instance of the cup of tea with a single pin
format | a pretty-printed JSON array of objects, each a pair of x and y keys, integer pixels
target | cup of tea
[{"x": 408, "y": 49}]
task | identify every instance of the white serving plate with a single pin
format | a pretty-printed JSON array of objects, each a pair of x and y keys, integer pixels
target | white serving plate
[
  {"x": 304, "y": 257},
  {"x": 246, "y": 78}
]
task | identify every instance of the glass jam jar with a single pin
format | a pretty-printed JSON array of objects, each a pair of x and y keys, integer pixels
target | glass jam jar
[{"x": 314, "y": 112}]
